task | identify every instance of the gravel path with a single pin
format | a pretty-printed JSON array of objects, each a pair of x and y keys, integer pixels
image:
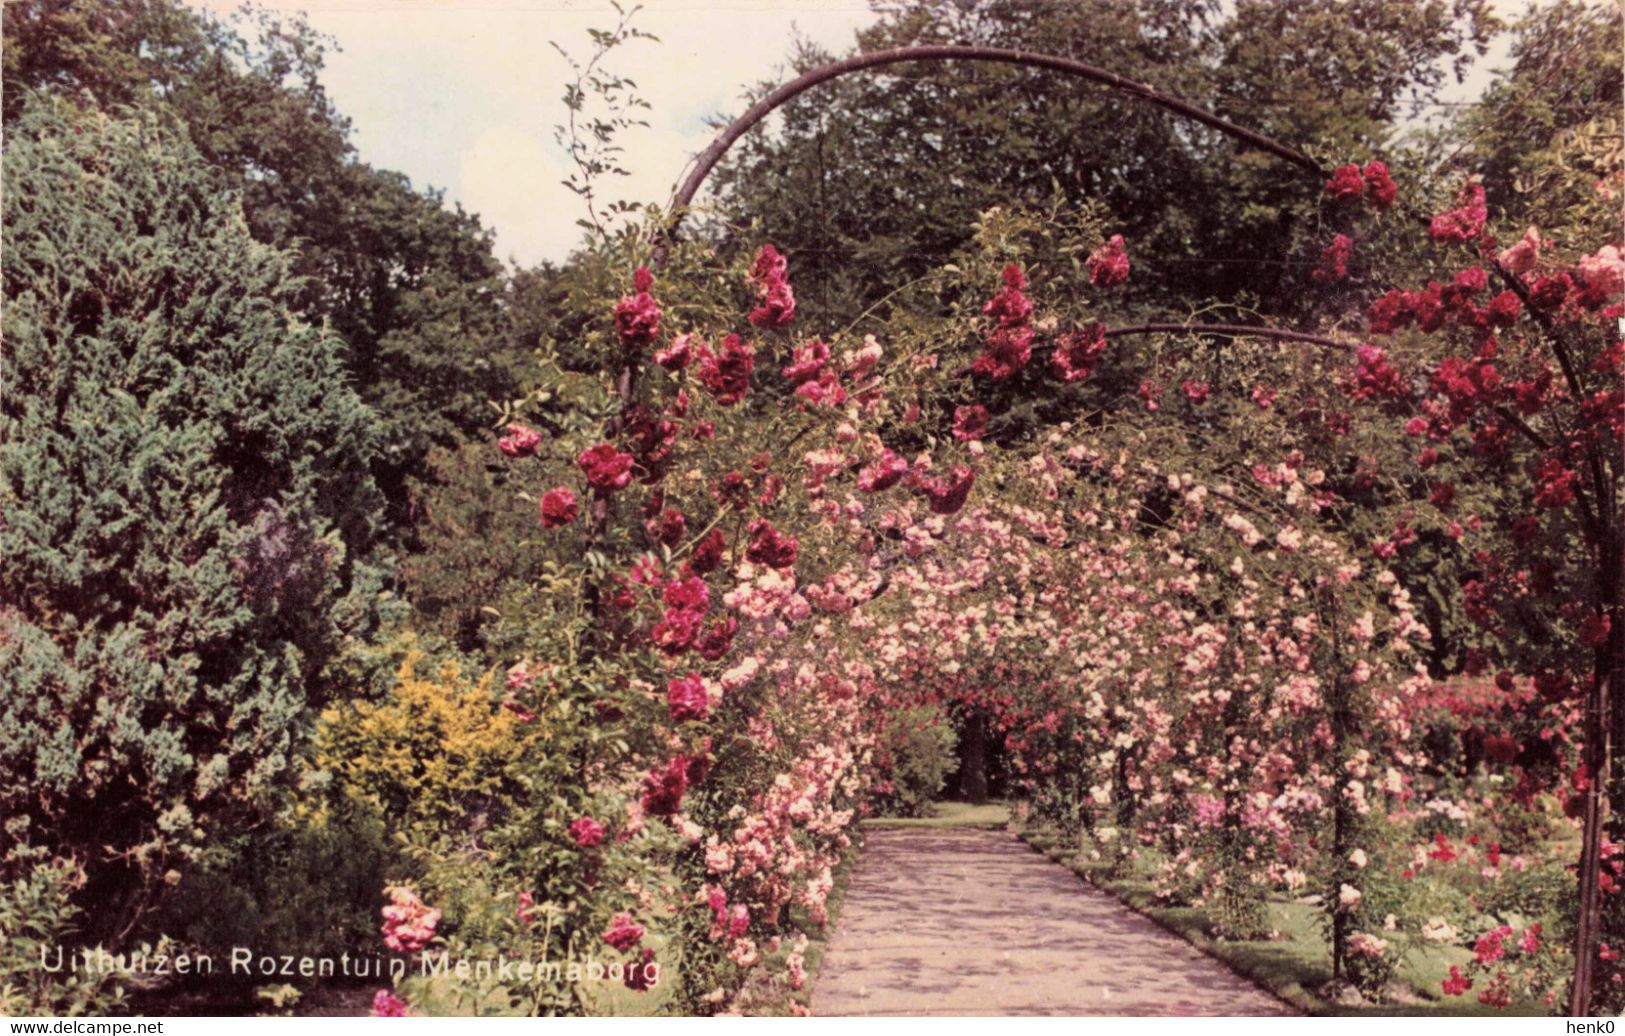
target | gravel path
[{"x": 964, "y": 922}]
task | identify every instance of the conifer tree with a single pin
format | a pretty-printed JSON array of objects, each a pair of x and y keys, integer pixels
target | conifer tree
[{"x": 184, "y": 497}]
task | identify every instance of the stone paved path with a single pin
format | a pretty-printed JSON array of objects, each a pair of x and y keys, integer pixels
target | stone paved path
[{"x": 974, "y": 922}]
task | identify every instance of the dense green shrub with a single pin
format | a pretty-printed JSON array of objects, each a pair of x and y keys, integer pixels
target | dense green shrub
[
  {"x": 183, "y": 496},
  {"x": 308, "y": 885},
  {"x": 920, "y": 744},
  {"x": 38, "y": 915}
]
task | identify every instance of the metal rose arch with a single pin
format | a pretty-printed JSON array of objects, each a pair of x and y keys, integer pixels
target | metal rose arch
[
  {"x": 707, "y": 159},
  {"x": 1589, "y": 920}
]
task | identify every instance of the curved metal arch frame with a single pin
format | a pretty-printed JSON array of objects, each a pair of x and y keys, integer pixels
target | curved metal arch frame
[{"x": 707, "y": 159}]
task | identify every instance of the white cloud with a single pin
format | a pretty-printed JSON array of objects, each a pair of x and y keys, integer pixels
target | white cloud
[{"x": 465, "y": 96}]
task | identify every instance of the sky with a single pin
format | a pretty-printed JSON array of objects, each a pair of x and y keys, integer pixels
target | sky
[{"x": 464, "y": 95}]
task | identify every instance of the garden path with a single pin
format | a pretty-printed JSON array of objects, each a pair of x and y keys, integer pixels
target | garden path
[{"x": 969, "y": 922}]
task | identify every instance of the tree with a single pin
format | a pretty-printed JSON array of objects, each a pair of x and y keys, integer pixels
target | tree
[
  {"x": 184, "y": 500},
  {"x": 411, "y": 286},
  {"x": 873, "y": 181}
]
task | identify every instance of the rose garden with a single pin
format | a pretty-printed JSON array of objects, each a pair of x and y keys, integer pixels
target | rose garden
[{"x": 1298, "y": 630}]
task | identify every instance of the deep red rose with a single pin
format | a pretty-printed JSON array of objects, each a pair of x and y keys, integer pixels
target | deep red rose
[
  {"x": 707, "y": 553},
  {"x": 607, "y": 469},
  {"x": 1347, "y": 184},
  {"x": 726, "y": 373},
  {"x": 1108, "y": 264},
  {"x": 663, "y": 789},
  {"x": 970, "y": 422},
  {"x": 1379, "y": 186},
  {"x": 718, "y": 639},
  {"x": 1334, "y": 260},
  {"x": 637, "y": 317},
  {"x": 1076, "y": 354},
  {"x": 559, "y": 508},
  {"x": 884, "y": 473},
  {"x": 767, "y": 546},
  {"x": 1464, "y": 222},
  {"x": 686, "y": 699},
  {"x": 948, "y": 495}
]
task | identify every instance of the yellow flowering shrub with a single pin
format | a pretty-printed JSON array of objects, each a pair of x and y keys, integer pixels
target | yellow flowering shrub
[{"x": 440, "y": 750}]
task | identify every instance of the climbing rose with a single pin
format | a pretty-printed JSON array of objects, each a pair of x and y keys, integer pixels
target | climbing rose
[
  {"x": 1010, "y": 307},
  {"x": 1464, "y": 222},
  {"x": 1391, "y": 312},
  {"x": 387, "y": 1005},
  {"x": 807, "y": 361},
  {"x": 671, "y": 528},
  {"x": 607, "y": 469},
  {"x": 1009, "y": 344},
  {"x": 1457, "y": 983},
  {"x": 948, "y": 495},
  {"x": 707, "y": 553},
  {"x": 663, "y": 788},
  {"x": 1346, "y": 184},
  {"x": 726, "y": 373},
  {"x": 642, "y": 974},
  {"x": 520, "y": 441},
  {"x": 1604, "y": 273},
  {"x": 970, "y": 422},
  {"x": 1008, "y": 350},
  {"x": 637, "y": 317},
  {"x": 691, "y": 594},
  {"x": 1076, "y": 354},
  {"x": 1521, "y": 257},
  {"x": 1375, "y": 378},
  {"x": 559, "y": 508},
  {"x": 623, "y": 933},
  {"x": 1195, "y": 391},
  {"x": 884, "y": 473},
  {"x": 777, "y": 301},
  {"x": 686, "y": 699},
  {"x": 1108, "y": 264},
  {"x": 675, "y": 356},
  {"x": 587, "y": 832},
  {"x": 769, "y": 547},
  {"x": 717, "y": 639},
  {"x": 1334, "y": 261},
  {"x": 409, "y": 923},
  {"x": 1379, "y": 186},
  {"x": 1554, "y": 484}
]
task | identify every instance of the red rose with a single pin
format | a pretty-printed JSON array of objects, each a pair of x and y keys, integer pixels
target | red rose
[
  {"x": 948, "y": 495},
  {"x": 1076, "y": 354},
  {"x": 884, "y": 473},
  {"x": 559, "y": 508},
  {"x": 1108, "y": 264},
  {"x": 1379, "y": 186},
  {"x": 969, "y": 423},
  {"x": 607, "y": 469},
  {"x": 587, "y": 832},
  {"x": 623, "y": 933},
  {"x": 686, "y": 699},
  {"x": 1347, "y": 184},
  {"x": 770, "y": 547}
]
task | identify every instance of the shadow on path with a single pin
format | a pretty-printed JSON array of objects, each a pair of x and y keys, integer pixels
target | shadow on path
[{"x": 974, "y": 922}]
